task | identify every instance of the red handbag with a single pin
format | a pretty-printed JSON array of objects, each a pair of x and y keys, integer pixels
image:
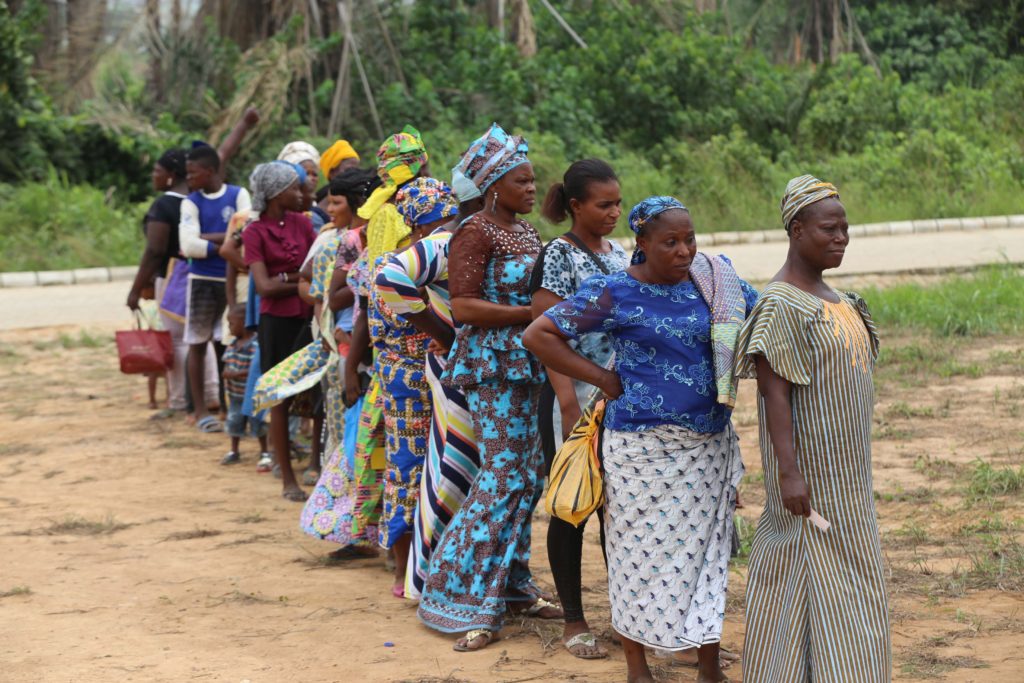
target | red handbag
[{"x": 144, "y": 350}]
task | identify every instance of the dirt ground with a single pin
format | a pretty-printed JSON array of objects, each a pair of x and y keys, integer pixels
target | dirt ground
[{"x": 128, "y": 554}]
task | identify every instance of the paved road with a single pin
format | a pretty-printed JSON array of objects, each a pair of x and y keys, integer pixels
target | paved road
[{"x": 102, "y": 305}]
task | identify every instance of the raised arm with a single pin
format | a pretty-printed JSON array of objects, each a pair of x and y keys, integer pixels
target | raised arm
[
  {"x": 233, "y": 141},
  {"x": 778, "y": 408}
]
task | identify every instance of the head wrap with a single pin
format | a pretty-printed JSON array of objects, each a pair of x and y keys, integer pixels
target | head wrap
[
  {"x": 399, "y": 160},
  {"x": 173, "y": 160},
  {"x": 804, "y": 191},
  {"x": 425, "y": 200},
  {"x": 298, "y": 151},
  {"x": 490, "y": 157},
  {"x": 269, "y": 180},
  {"x": 334, "y": 155},
  {"x": 464, "y": 188},
  {"x": 646, "y": 211},
  {"x": 299, "y": 170}
]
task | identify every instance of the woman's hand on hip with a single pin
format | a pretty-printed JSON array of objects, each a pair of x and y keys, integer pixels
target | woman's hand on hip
[{"x": 611, "y": 385}]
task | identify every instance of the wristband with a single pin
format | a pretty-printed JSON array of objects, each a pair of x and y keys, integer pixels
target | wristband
[{"x": 283, "y": 277}]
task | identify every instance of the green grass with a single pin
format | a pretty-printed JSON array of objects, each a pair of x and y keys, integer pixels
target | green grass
[
  {"x": 987, "y": 481},
  {"x": 53, "y": 225},
  {"x": 17, "y": 590},
  {"x": 987, "y": 302}
]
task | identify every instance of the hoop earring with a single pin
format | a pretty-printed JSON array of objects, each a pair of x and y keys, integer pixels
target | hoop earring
[{"x": 494, "y": 202}]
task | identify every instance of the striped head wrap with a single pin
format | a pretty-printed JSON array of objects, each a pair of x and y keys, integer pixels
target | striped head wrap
[
  {"x": 645, "y": 212},
  {"x": 489, "y": 158},
  {"x": 399, "y": 160},
  {"x": 804, "y": 191},
  {"x": 334, "y": 155},
  {"x": 425, "y": 200},
  {"x": 298, "y": 151}
]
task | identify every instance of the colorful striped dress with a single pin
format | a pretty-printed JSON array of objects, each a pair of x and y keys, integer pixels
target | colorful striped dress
[
  {"x": 816, "y": 602},
  {"x": 452, "y": 457}
]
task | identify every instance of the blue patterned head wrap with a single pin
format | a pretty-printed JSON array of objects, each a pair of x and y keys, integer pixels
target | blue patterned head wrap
[
  {"x": 490, "y": 157},
  {"x": 425, "y": 200},
  {"x": 645, "y": 212}
]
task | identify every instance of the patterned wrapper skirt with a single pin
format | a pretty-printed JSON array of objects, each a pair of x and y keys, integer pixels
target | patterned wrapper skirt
[
  {"x": 407, "y": 409},
  {"x": 669, "y": 500},
  {"x": 368, "y": 467},
  {"x": 328, "y": 511},
  {"x": 481, "y": 560},
  {"x": 452, "y": 463}
]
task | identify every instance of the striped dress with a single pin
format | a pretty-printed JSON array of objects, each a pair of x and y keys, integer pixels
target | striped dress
[
  {"x": 452, "y": 459},
  {"x": 816, "y": 602}
]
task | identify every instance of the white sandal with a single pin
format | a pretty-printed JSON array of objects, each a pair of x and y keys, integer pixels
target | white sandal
[
  {"x": 470, "y": 636},
  {"x": 586, "y": 639}
]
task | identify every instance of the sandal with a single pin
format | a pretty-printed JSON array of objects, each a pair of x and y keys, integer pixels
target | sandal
[
  {"x": 266, "y": 463},
  {"x": 310, "y": 477},
  {"x": 232, "y": 458},
  {"x": 165, "y": 414},
  {"x": 295, "y": 495},
  {"x": 398, "y": 590},
  {"x": 585, "y": 639},
  {"x": 209, "y": 425},
  {"x": 539, "y": 605},
  {"x": 349, "y": 553},
  {"x": 488, "y": 636}
]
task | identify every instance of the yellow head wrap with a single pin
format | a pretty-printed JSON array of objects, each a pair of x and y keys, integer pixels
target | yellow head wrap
[
  {"x": 336, "y": 154},
  {"x": 803, "y": 191},
  {"x": 399, "y": 160}
]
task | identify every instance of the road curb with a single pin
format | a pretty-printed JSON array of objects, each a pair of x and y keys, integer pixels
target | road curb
[{"x": 81, "y": 276}]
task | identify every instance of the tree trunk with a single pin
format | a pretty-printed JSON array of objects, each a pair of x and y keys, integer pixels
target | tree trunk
[{"x": 524, "y": 33}]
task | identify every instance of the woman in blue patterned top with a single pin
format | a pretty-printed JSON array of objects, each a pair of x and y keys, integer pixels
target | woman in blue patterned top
[
  {"x": 671, "y": 457},
  {"x": 589, "y": 193}
]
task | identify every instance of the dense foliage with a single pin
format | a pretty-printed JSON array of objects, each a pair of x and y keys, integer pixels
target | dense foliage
[{"x": 710, "y": 107}]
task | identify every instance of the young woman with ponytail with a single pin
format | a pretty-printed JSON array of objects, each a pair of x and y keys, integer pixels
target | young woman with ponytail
[{"x": 589, "y": 195}]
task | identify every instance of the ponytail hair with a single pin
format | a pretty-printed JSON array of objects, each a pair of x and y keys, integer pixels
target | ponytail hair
[{"x": 575, "y": 185}]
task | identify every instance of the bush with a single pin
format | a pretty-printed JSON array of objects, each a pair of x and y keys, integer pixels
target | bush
[{"x": 54, "y": 225}]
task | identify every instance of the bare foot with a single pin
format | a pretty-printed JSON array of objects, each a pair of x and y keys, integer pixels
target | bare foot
[
  {"x": 713, "y": 678},
  {"x": 352, "y": 553},
  {"x": 294, "y": 494},
  {"x": 642, "y": 678}
]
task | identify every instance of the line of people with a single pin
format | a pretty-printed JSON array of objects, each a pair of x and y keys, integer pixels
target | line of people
[{"x": 444, "y": 352}]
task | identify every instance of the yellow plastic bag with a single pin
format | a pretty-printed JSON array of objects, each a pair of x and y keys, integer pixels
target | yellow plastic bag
[{"x": 575, "y": 486}]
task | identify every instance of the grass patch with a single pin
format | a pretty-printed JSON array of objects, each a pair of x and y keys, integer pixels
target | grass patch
[
  {"x": 194, "y": 533},
  {"x": 75, "y": 525},
  {"x": 920, "y": 494},
  {"x": 905, "y": 410},
  {"x": 924, "y": 662},
  {"x": 999, "y": 565},
  {"x": 936, "y": 468},
  {"x": 984, "y": 303},
  {"x": 987, "y": 481},
  {"x": 17, "y": 590},
  {"x": 19, "y": 448},
  {"x": 83, "y": 340}
]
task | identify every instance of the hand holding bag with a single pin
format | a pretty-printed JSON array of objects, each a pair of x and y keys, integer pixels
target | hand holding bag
[
  {"x": 576, "y": 486},
  {"x": 144, "y": 350}
]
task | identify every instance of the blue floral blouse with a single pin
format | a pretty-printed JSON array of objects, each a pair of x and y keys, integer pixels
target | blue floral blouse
[{"x": 661, "y": 335}]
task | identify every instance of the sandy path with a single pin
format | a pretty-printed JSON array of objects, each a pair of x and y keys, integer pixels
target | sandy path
[{"x": 128, "y": 554}]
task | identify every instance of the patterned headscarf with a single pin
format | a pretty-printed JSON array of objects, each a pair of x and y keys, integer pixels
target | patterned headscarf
[
  {"x": 489, "y": 158},
  {"x": 298, "y": 151},
  {"x": 646, "y": 211},
  {"x": 804, "y": 191},
  {"x": 269, "y": 180},
  {"x": 399, "y": 160},
  {"x": 334, "y": 155},
  {"x": 425, "y": 200}
]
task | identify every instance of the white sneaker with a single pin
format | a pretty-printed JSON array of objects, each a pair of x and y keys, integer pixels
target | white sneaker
[{"x": 266, "y": 462}]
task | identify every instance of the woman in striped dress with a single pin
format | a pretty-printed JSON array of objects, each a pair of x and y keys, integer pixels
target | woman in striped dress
[
  {"x": 453, "y": 459},
  {"x": 816, "y": 603}
]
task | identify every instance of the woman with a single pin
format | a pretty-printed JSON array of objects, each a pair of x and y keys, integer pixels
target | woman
[
  {"x": 275, "y": 245},
  {"x": 452, "y": 456},
  {"x": 589, "y": 194},
  {"x": 812, "y": 350},
  {"x": 328, "y": 512},
  {"x": 400, "y": 363},
  {"x": 671, "y": 458},
  {"x": 481, "y": 562},
  {"x": 400, "y": 158},
  {"x": 160, "y": 226}
]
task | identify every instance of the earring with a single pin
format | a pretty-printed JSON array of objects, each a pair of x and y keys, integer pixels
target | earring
[
  {"x": 170, "y": 181},
  {"x": 494, "y": 202}
]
